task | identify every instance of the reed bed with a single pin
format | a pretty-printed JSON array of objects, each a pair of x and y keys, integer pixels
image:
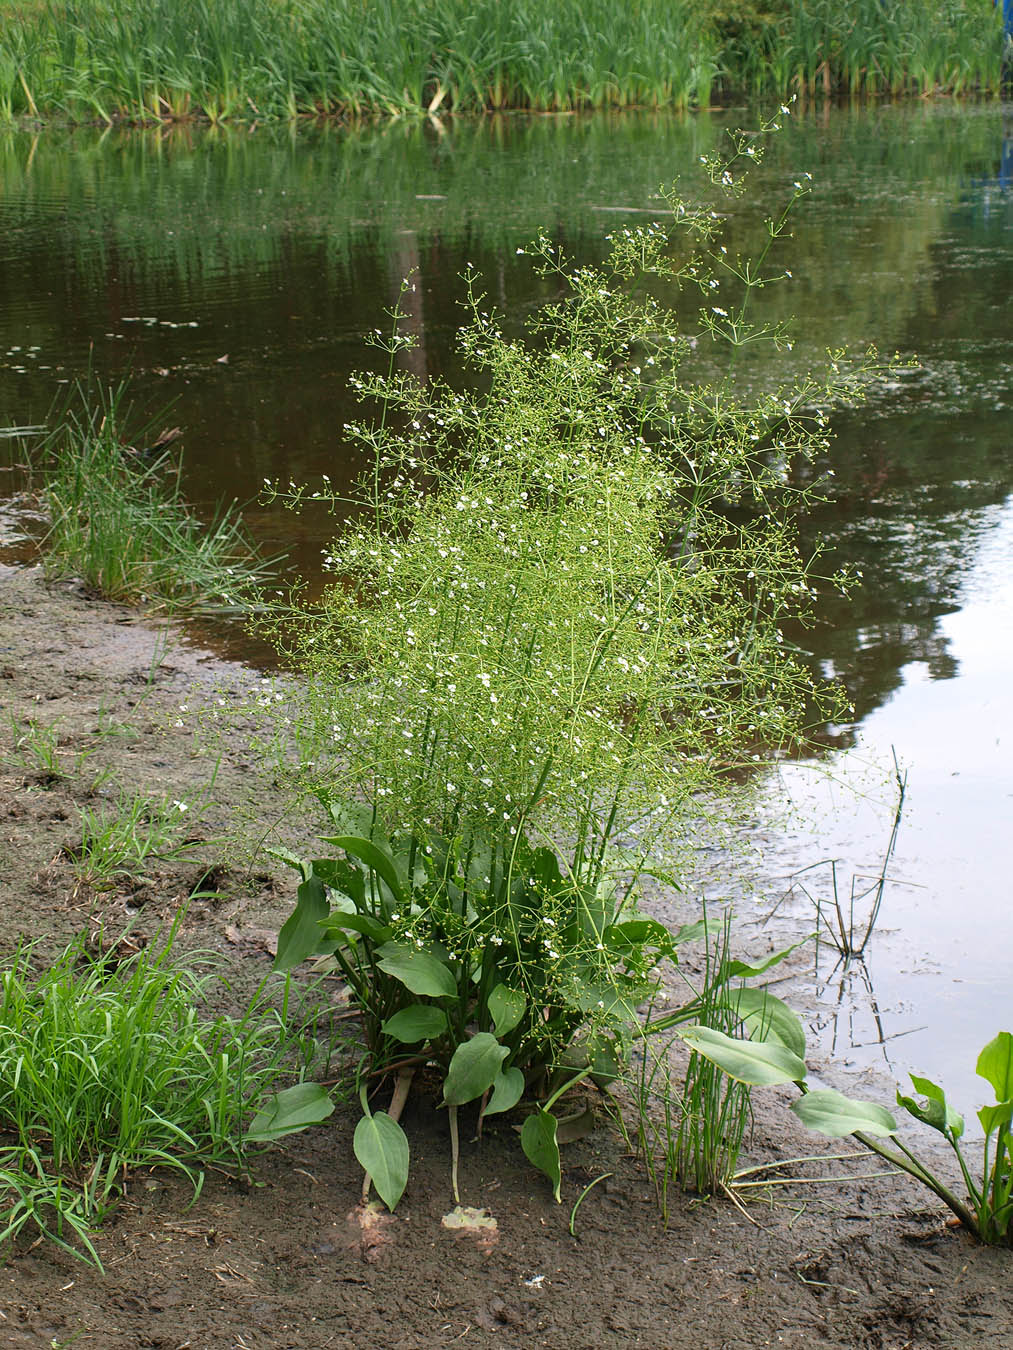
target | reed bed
[
  {"x": 225, "y": 59},
  {"x": 108, "y": 60},
  {"x": 867, "y": 47}
]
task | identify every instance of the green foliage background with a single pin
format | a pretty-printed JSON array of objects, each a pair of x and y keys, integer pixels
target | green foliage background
[{"x": 240, "y": 59}]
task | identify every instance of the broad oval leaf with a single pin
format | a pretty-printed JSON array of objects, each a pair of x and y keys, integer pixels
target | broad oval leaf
[
  {"x": 693, "y": 932},
  {"x": 538, "y": 1140},
  {"x": 759, "y": 1063},
  {"x": 604, "y": 1062},
  {"x": 420, "y": 1022},
  {"x": 338, "y": 874},
  {"x": 300, "y": 934},
  {"x": 767, "y": 1018},
  {"x": 833, "y": 1114},
  {"x": 506, "y": 1007},
  {"x": 417, "y": 970},
  {"x": 381, "y": 1147},
  {"x": 544, "y": 868},
  {"x": 615, "y": 1002},
  {"x": 634, "y": 934},
  {"x": 507, "y": 1090},
  {"x": 475, "y": 1066},
  {"x": 375, "y": 858},
  {"x": 349, "y": 817},
  {"x": 995, "y": 1065},
  {"x": 292, "y": 860},
  {"x": 289, "y": 1111}
]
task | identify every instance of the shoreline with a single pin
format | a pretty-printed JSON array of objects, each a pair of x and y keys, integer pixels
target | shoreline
[{"x": 849, "y": 1264}]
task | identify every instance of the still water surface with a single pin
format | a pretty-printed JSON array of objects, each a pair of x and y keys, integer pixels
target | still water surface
[{"x": 234, "y": 272}]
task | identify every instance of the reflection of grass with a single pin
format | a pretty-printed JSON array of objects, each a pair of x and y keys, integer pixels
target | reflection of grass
[{"x": 120, "y": 522}]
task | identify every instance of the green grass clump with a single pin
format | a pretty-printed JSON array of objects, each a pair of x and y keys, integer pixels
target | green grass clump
[
  {"x": 109, "y": 1066},
  {"x": 691, "y": 1134},
  {"x": 124, "y": 840},
  {"x": 120, "y": 522}
]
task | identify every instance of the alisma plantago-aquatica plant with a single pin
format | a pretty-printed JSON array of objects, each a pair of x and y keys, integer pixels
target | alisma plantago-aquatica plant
[{"x": 555, "y": 620}]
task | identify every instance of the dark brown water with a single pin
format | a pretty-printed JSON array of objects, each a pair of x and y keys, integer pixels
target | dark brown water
[{"x": 234, "y": 273}]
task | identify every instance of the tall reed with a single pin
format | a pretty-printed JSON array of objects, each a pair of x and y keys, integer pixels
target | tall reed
[
  {"x": 110, "y": 59},
  {"x": 830, "y": 47},
  {"x": 229, "y": 59}
]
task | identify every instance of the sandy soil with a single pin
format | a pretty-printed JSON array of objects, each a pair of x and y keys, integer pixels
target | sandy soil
[{"x": 291, "y": 1260}]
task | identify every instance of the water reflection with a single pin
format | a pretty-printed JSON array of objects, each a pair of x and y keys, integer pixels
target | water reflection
[{"x": 234, "y": 272}]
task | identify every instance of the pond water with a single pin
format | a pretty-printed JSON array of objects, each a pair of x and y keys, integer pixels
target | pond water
[{"x": 233, "y": 272}]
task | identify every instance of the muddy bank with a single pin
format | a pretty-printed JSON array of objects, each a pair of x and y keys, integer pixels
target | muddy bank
[{"x": 291, "y": 1260}]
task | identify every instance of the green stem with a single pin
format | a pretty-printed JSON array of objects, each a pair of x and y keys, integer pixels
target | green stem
[
  {"x": 909, "y": 1163},
  {"x": 455, "y": 1152}
]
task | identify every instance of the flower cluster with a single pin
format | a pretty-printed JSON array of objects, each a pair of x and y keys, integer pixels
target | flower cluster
[{"x": 558, "y": 607}]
